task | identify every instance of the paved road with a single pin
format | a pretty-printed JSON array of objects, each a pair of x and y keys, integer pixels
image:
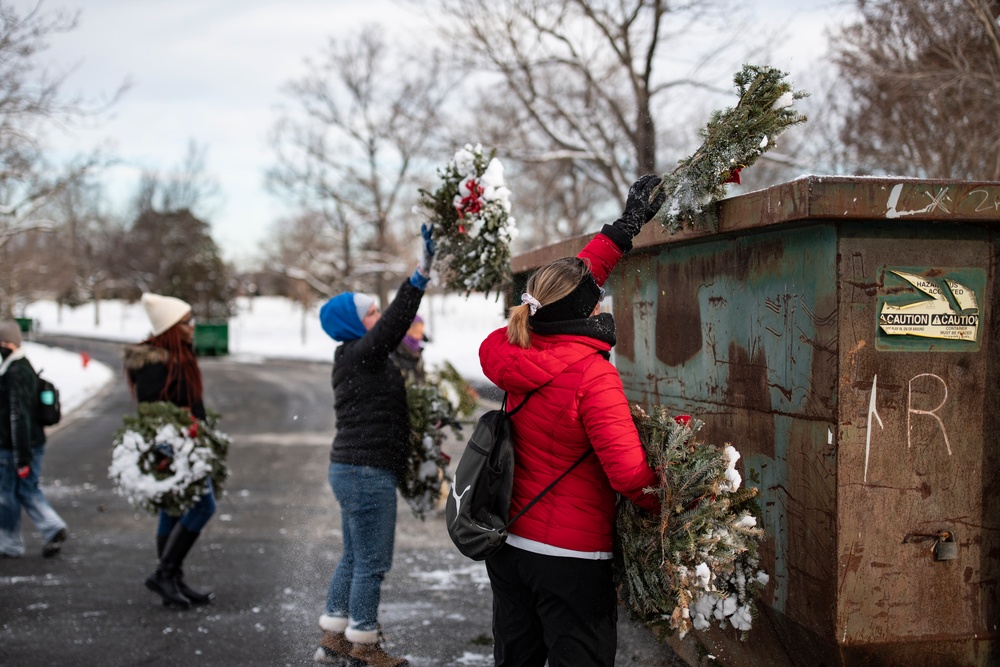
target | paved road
[{"x": 268, "y": 553}]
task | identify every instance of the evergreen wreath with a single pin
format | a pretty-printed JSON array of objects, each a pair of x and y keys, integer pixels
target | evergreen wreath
[
  {"x": 162, "y": 456},
  {"x": 734, "y": 139},
  {"x": 473, "y": 228},
  {"x": 437, "y": 403},
  {"x": 697, "y": 563}
]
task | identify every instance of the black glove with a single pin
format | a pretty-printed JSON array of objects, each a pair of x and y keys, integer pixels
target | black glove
[{"x": 638, "y": 209}]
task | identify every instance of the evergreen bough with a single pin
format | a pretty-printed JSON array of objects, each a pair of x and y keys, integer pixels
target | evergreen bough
[
  {"x": 697, "y": 562},
  {"x": 434, "y": 405},
  {"x": 733, "y": 140}
]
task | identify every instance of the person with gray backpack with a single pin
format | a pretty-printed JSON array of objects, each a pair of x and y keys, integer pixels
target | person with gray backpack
[
  {"x": 575, "y": 448},
  {"x": 22, "y": 446}
]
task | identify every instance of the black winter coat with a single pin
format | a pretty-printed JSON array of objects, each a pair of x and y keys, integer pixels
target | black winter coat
[
  {"x": 19, "y": 430},
  {"x": 369, "y": 395},
  {"x": 147, "y": 368}
]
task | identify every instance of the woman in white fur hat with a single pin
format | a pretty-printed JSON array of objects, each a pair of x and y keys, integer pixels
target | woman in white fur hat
[{"x": 164, "y": 368}]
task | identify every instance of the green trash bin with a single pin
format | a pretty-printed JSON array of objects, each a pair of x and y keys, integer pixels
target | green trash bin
[
  {"x": 211, "y": 338},
  {"x": 26, "y": 323}
]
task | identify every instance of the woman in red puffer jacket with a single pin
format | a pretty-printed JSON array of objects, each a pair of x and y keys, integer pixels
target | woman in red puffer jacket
[{"x": 553, "y": 594}]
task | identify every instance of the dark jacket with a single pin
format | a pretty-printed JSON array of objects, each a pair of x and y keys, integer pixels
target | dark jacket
[
  {"x": 19, "y": 429},
  {"x": 147, "y": 367},
  {"x": 369, "y": 395}
]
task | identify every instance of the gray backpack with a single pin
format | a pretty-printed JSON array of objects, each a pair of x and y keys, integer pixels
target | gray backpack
[{"x": 479, "y": 502}]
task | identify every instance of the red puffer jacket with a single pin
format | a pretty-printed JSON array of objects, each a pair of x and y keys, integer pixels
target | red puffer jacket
[{"x": 582, "y": 405}]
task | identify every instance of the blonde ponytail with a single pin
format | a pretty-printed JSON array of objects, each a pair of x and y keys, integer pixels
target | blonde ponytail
[
  {"x": 547, "y": 285},
  {"x": 517, "y": 329}
]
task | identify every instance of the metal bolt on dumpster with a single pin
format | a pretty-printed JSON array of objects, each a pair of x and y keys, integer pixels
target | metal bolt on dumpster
[{"x": 839, "y": 332}]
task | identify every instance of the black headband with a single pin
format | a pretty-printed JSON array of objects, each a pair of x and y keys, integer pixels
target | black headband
[{"x": 576, "y": 305}]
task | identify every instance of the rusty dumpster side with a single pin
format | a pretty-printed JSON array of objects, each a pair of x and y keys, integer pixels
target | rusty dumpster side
[{"x": 795, "y": 333}]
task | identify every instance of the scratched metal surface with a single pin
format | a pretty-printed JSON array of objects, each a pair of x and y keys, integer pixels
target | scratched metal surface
[
  {"x": 742, "y": 332},
  {"x": 911, "y": 447},
  {"x": 767, "y": 331}
]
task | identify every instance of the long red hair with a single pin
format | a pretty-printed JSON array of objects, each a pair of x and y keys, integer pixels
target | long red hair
[{"x": 182, "y": 364}]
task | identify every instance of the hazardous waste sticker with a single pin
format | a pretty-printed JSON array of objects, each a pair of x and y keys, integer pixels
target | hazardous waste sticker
[{"x": 951, "y": 311}]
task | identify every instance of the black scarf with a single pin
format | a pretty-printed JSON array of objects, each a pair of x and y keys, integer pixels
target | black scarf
[{"x": 600, "y": 327}]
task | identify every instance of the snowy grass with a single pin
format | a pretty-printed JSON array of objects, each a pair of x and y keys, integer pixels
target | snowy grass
[{"x": 264, "y": 327}]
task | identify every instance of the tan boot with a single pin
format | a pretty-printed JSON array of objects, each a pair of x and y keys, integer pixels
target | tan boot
[
  {"x": 367, "y": 649},
  {"x": 334, "y": 649}
]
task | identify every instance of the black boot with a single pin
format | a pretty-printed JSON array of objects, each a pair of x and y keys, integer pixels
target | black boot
[
  {"x": 186, "y": 540},
  {"x": 163, "y": 582}
]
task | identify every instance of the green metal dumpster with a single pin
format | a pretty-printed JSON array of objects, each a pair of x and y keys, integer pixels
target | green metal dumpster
[
  {"x": 840, "y": 333},
  {"x": 26, "y": 324},
  {"x": 211, "y": 338}
]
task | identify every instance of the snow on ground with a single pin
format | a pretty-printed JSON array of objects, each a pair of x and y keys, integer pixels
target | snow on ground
[
  {"x": 264, "y": 327},
  {"x": 76, "y": 377}
]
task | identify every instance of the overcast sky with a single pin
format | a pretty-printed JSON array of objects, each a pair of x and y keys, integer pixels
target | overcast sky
[{"x": 211, "y": 71}]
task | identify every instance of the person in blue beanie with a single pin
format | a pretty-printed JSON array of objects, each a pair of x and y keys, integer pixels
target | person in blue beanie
[{"x": 367, "y": 460}]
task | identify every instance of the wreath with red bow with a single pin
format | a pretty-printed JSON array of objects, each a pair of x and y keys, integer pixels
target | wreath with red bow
[{"x": 473, "y": 228}]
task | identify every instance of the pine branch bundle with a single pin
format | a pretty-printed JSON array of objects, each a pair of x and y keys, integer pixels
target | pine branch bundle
[
  {"x": 697, "y": 561},
  {"x": 436, "y": 404},
  {"x": 162, "y": 456},
  {"x": 733, "y": 140}
]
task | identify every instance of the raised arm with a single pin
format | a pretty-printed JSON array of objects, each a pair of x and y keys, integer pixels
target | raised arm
[
  {"x": 614, "y": 240},
  {"x": 388, "y": 332}
]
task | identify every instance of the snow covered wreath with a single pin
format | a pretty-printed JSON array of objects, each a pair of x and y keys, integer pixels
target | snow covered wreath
[
  {"x": 697, "y": 563},
  {"x": 437, "y": 403},
  {"x": 473, "y": 228},
  {"x": 162, "y": 457}
]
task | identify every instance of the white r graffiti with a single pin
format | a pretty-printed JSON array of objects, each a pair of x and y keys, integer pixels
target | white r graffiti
[
  {"x": 910, "y": 410},
  {"x": 872, "y": 412}
]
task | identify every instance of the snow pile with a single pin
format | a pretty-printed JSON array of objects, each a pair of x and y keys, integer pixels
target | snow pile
[
  {"x": 274, "y": 327},
  {"x": 76, "y": 376}
]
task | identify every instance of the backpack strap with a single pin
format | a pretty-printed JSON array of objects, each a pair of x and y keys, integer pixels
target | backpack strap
[
  {"x": 510, "y": 414},
  {"x": 557, "y": 479},
  {"x": 549, "y": 487}
]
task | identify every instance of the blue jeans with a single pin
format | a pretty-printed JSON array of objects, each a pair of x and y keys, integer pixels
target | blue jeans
[
  {"x": 193, "y": 519},
  {"x": 16, "y": 494},
  {"x": 367, "y": 498}
]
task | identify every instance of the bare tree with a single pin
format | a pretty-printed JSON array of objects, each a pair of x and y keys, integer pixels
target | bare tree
[
  {"x": 84, "y": 250},
  {"x": 588, "y": 82},
  {"x": 922, "y": 84},
  {"x": 305, "y": 252},
  {"x": 31, "y": 101},
  {"x": 553, "y": 198},
  {"x": 361, "y": 117},
  {"x": 188, "y": 187}
]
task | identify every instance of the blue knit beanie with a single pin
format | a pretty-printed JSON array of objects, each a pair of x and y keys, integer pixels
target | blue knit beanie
[{"x": 341, "y": 316}]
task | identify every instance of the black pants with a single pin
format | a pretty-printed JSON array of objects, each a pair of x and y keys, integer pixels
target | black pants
[{"x": 549, "y": 607}]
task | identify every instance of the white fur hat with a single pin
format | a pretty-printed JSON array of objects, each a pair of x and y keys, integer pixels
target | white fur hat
[{"x": 164, "y": 311}]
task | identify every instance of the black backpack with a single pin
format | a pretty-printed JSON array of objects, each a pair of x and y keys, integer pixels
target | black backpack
[
  {"x": 49, "y": 410},
  {"x": 479, "y": 503}
]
